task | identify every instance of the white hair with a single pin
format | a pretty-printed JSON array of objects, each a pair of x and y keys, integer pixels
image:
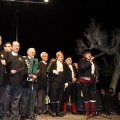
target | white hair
[
  {"x": 41, "y": 55},
  {"x": 30, "y": 49}
]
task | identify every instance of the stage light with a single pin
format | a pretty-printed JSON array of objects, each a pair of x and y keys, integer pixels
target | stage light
[
  {"x": 46, "y": 0},
  {"x": 29, "y": 1}
]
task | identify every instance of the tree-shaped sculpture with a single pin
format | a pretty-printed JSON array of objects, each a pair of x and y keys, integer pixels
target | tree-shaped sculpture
[{"x": 108, "y": 44}]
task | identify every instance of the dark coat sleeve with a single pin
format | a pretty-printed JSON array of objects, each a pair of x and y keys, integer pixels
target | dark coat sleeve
[{"x": 84, "y": 64}]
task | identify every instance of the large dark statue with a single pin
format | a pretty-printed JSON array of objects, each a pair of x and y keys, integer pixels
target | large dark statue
[{"x": 108, "y": 44}]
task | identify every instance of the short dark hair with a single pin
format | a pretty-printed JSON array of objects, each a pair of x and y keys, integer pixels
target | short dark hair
[{"x": 4, "y": 45}]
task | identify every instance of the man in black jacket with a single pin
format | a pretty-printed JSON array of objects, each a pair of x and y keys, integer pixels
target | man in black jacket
[
  {"x": 16, "y": 70},
  {"x": 86, "y": 71},
  {"x": 28, "y": 96},
  {"x": 71, "y": 90},
  {"x": 60, "y": 73},
  {"x": 42, "y": 82},
  {"x": 3, "y": 73}
]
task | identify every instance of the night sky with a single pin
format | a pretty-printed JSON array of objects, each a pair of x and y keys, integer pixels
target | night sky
[{"x": 55, "y": 26}]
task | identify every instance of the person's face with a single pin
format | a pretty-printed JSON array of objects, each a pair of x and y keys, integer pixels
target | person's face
[
  {"x": 87, "y": 55},
  {"x": 119, "y": 94},
  {"x": 15, "y": 47},
  {"x": 31, "y": 53},
  {"x": 110, "y": 91},
  {"x": 45, "y": 57},
  {"x": 7, "y": 48},
  {"x": 102, "y": 91},
  {"x": 60, "y": 57},
  {"x": 69, "y": 61},
  {"x": 0, "y": 40}
]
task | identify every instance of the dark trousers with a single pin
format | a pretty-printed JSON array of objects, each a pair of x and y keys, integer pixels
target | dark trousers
[
  {"x": 71, "y": 90},
  {"x": 56, "y": 91},
  {"x": 2, "y": 96},
  {"x": 41, "y": 100},
  {"x": 56, "y": 96},
  {"x": 25, "y": 100},
  {"x": 12, "y": 95},
  {"x": 88, "y": 90}
]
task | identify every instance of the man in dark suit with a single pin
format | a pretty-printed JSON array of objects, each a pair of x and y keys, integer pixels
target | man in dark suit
[
  {"x": 71, "y": 90},
  {"x": 42, "y": 82},
  {"x": 16, "y": 70},
  {"x": 3, "y": 73},
  {"x": 28, "y": 96},
  {"x": 60, "y": 73},
  {"x": 87, "y": 71}
]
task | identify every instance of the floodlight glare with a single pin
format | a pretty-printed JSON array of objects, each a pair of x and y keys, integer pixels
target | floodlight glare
[{"x": 46, "y": 0}]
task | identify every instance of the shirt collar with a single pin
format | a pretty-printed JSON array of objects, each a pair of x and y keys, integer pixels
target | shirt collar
[
  {"x": 14, "y": 54},
  {"x": 44, "y": 62}
]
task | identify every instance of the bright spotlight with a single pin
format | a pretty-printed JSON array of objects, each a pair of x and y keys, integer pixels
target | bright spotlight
[{"x": 46, "y": 0}]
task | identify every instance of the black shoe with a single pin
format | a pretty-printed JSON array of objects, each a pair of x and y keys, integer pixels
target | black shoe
[
  {"x": 53, "y": 114},
  {"x": 39, "y": 112},
  {"x": 64, "y": 113},
  {"x": 59, "y": 114},
  {"x": 74, "y": 113},
  {"x": 23, "y": 118}
]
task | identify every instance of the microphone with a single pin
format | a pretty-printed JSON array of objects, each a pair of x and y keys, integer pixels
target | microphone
[{"x": 49, "y": 67}]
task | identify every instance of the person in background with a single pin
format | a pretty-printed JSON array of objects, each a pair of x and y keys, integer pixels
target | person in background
[
  {"x": 117, "y": 103},
  {"x": 110, "y": 102},
  {"x": 0, "y": 43}
]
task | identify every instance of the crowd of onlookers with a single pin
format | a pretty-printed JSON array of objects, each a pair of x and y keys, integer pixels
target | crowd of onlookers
[{"x": 110, "y": 102}]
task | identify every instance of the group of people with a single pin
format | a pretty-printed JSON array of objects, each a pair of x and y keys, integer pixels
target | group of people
[
  {"x": 110, "y": 102},
  {"x": 20, "y": 89}
]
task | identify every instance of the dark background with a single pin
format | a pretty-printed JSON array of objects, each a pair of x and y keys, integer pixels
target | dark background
[{"x": 55, "y": 26}]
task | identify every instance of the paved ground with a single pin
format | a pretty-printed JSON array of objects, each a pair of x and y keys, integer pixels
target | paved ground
[{"x": 77, "y": 117}]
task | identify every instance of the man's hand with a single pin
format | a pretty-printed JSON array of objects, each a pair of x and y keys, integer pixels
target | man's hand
[
  {"x": 34, "y": 77},
  {"x": 3, "y": 62},
  {"x": 13, "y": 71},
  {"x": 92, "y": 58},
  {"x": 55, "y": 72},
  {"x": 74, "y": 79},
  {"x": 66, "y": 85}
]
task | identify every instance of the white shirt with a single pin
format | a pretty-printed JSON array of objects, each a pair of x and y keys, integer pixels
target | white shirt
[
  {"x": 14, "y": 54},
  {"x": 59, "y": 66},
  {"x": 92, "y": 68},
  {"x": 72, "y": 70}
]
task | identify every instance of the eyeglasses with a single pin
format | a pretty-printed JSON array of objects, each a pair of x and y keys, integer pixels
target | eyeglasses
[{"x": 69, "y": 59}]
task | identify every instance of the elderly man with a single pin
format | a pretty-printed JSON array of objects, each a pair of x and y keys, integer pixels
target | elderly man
[
  {"x": 60, "y": 73},
  {"x": 28, "y": 94},
  {"x": 42, "y": 82}
]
